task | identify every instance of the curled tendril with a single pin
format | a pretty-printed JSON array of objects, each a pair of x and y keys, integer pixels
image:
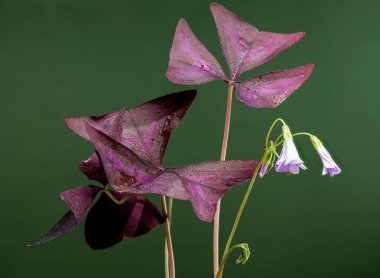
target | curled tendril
[
  {"x": 245, "y": 253},
  {"x": 242, "y": 259}
]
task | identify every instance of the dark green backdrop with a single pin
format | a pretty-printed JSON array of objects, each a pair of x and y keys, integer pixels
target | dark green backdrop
[{"x": 67, "y": 57}]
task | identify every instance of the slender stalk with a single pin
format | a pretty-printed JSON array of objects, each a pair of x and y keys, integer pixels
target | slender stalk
[
  {"x": 170, "y": 205},
  {"x": 222, "y": 157},
  {"x": 167, "y": 271},
  {"x": 271, "y": 127},
  {"x": 168, "y": 238},
  {"x": 237, "y": 219},
  {"x": 114, "y": 199},
  {"x": 279, "y": 142}
]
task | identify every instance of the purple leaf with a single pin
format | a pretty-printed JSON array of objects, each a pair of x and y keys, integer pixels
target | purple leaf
[
  {"x": 122, "y": 166},
  {"x": 152, "y": 124},
  {"x": 78, "y": 124},
  {"x": 108, "y": 223},
  {"x": 245, "y": 47},
  {"x": 190, "y": 62},
  {"x": 271, "y": 89},
  {"x": 144, "y": 129},
  {"x": 207, "y": 182},
  {"x": 93, "y": 168},
  {"x": 65, "y": 225},
  {"x": 202, "y": 184},
  {"x": 79, "y": 200}
]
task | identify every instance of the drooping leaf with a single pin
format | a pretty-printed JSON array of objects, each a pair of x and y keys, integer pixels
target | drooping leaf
[
  {"x": 108, "y": 223},
  {"x": 145, "y": 129},
  {"x": 202, "y": 184},
  {"x": 190, "y": 61},
  {"x": 122, "y": 166},
  {"x": 93, "y": 168},
  {"x": 79, "y": 200},
  {"x": 270, "y": 89},
  {"x": 245, "y": 47},
  {"x": 65, "y": 225}
]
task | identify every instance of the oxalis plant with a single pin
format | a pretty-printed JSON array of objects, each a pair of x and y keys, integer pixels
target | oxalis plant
[{"x": 130, "y": 145}]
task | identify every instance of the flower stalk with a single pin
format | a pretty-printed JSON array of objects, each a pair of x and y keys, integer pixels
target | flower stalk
[{"x": 227, "y": 249}]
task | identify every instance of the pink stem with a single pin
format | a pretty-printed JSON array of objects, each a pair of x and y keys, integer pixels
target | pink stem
[
  {"x": 222, "y": 158},
  {"x": 168, "y": 238}
]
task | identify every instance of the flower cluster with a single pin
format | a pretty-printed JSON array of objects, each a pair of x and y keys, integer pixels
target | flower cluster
[{"x": 289, "y": 160}]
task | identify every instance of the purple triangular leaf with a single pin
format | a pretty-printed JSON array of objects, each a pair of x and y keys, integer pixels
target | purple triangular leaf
[
  {"x": 271, "y": 89},
  {"x": 65, "y": 225},
  {"x": 93, "y": 168},
  {"x": 202, "y": 184},
  {"x": 144, "y": 129},
  {"x": 108, "y": 223},
  {"x": 190, "y": 61},
  {"x": 245, "y": 47},
  {"x": 122, "y": 166},
  {"x": 78, "y": 124},
  {"x": 79, "y": 200},
  {"x": 153, "y": 123}
]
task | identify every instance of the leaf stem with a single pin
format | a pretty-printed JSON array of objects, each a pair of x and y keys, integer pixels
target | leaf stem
[
  {"x": 222, "y": 158},
  {"x": 237, "y": 219},
  {"x": 168, "y": 238},
  {"x": 114, "y": 199},
  {"x": 170, "y": 206}
]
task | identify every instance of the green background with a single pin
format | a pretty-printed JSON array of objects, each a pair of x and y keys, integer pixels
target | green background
[{"x": 66, "y": 57}]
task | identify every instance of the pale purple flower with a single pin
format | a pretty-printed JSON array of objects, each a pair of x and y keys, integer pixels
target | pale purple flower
[
  {"x": 267, "y": 163},
  {"x": 289, "y": 160},
  {"x": 329, "y": 165},
  {"x": 263, "y": 169}
]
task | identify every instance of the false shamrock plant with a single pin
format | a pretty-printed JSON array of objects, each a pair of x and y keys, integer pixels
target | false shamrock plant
[
  {"x": 244, "y": 48},
  {"x": 288, "y": 161},
  {"x": 130, "y": 147}
]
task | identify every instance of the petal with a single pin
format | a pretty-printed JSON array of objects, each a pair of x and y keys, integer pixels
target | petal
[
  {"x": 329, "y": 165},
  {"x": 144, "y": 129},
  {"x": 79, "y": 200},
  {"x": 202, "y": 184},
  {"x": 271, "y": 89},
  {"x": 289, "y": 160},
  {"x": 245, "y": 47},
  {"x": 122, "y": 166},
  {"x": 263, "y": 169},
  {"x": 93, "y": 168},
  {"x": 190, "y": 62},
  {"x": 108, "y": 223}
]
